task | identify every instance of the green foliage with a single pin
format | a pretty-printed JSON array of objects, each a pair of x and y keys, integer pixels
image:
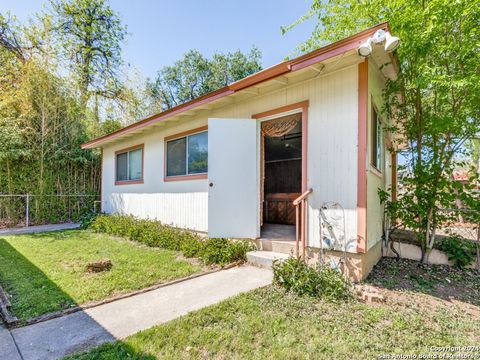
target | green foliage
[
  {"x": 432, "y": 107},
  {"x": 295, "y": 275},
  {"x": 223, "y": 251},
  {"x": 87, "y": 219},
  {"x": 191, "y": 247},
  {"x": 152, "y": 233},
  {"x": 43, "y": 119},
  {"x": 41, "y": 135},
  {"x": 195, "y": 75},
  {"x": 459, "y": 251}
]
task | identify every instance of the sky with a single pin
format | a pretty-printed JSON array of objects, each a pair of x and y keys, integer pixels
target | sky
[{"x": 160, "y": 32}]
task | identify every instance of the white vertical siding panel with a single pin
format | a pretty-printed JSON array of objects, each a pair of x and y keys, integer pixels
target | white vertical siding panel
[
  {"x": 332, "y": 150},
  {"x": 183, "y": 210}
]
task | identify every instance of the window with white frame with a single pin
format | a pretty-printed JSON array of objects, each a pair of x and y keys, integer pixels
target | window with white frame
[
  {"x": 377, "y": 141},
  {"x": 187, "y": 155},
  {"x": 129, "y": 165}
]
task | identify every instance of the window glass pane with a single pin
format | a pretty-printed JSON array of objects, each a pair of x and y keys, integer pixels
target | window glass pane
[
  {"x": 198, "y": 153},
  {"x": 176, "y": 157},
  {"x": 135, "y": 164},
  {"x": 379, "y": 145},
  {"x": 375, "y": 139},
  {"x": 122, "y": 167}
]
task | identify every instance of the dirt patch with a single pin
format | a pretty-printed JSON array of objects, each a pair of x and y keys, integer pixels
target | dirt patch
[
  {"x": 196, "y": 262},
  {"x": 99, "y": 266},
  {"x": 415, "y": 282}
]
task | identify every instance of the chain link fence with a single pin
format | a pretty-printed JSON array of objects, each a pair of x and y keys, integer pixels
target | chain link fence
[
  {"x": 26, "y": 209},
  {"x": 460, "y": 223}
]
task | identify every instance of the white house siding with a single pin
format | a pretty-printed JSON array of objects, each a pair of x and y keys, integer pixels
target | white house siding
[
  {"x": 180, "y": 203},
  {"x": 332, "y": 152},
  {"x": 375, "y": 180},
  {"x": 183, "y": 210}
]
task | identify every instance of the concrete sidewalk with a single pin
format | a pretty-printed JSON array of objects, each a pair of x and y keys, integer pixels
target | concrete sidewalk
[
  {"x": 38, "y": 228},
  {"x": 8, "y": 349},
  {"x": 82, "y": 330}
]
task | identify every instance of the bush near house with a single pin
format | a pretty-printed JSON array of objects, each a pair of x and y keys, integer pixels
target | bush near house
[
  {"x": 459, "y": 251},
  {"x": 297, "y": 276},
  {"x": 152, "y": 233}
]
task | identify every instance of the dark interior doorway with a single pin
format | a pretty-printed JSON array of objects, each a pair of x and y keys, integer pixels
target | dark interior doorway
[{"x": 283, "y": 175}]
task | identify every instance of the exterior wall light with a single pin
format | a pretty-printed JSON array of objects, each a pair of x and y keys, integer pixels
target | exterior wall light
[
  {"x": 391, "y": 43},
  {"x": 365, "y": 49},
  {"x": 381, "y": 36}
]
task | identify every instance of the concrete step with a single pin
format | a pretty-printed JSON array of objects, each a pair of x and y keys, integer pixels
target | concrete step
[
  {"x": 281, "y": 246},
  {"x": 264, "y": 259}
]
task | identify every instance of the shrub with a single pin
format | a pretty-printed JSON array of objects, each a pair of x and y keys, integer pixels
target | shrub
[
  {"x": 459, "y": 251},
  {"x": 223, "y": 251},
  {"x": 86, "y": 220},
  {"x": 153, "y": 233},
  {"x": 191, "y": 246},
  {"x": 119, "y": 225},
  {"x": 295, "y": 275}
]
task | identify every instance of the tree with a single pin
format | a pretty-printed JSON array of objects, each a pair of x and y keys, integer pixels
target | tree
[
  {"x": 194, "y": 75},
  {"x": 433, "y": 105},
  {"x": 41, "y": 126},
  {"x": 90, "y": 34},
  {"x": 10, "y": 39}
]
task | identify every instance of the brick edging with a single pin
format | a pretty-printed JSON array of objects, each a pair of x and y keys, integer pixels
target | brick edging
[{"x": 7, "y": 317}]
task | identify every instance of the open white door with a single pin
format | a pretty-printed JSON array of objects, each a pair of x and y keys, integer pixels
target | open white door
[{"x": 233, "y": 206}]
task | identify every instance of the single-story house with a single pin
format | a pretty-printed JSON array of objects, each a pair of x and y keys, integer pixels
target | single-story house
[{"x": 270, "y": 157}]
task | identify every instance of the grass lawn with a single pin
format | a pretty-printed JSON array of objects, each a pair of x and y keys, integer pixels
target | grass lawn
[
  {"x": 271, "y": 324},
  {"x": 47, "y": 272}
]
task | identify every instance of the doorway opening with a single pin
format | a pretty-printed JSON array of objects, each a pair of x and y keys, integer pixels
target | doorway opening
[{"x": 282, "y": 172}]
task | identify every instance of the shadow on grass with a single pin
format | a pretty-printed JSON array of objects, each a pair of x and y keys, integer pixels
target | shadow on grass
[
  {"x": 32, "y": 292},
  {"x": 26, "y": 284},
  {"x": 441, "y": 281}
]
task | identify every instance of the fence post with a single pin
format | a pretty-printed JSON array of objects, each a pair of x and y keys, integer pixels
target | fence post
[{"x": 27, "y": 211}]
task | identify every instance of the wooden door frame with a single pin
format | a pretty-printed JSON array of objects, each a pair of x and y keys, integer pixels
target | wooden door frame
[
  {"x": 278, "y": 112},
  {"x": 302, "y": 108}
]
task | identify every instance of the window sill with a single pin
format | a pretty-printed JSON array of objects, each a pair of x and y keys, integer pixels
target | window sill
[
  {"x": 375, "y": 171},
  {"x": 185, "y": 177},
  {"x": 129, "y": 182}
]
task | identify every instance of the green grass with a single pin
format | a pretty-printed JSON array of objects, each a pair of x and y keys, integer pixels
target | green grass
[
  {"x": 271, "y": 324},
  {"x": 47, "y": 272}
]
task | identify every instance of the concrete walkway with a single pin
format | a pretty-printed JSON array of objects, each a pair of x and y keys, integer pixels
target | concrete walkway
[
  {"x": 8, "y": 349},
  {"x": 38, "y": 228},
  {"x": 79, "y": 331}
]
